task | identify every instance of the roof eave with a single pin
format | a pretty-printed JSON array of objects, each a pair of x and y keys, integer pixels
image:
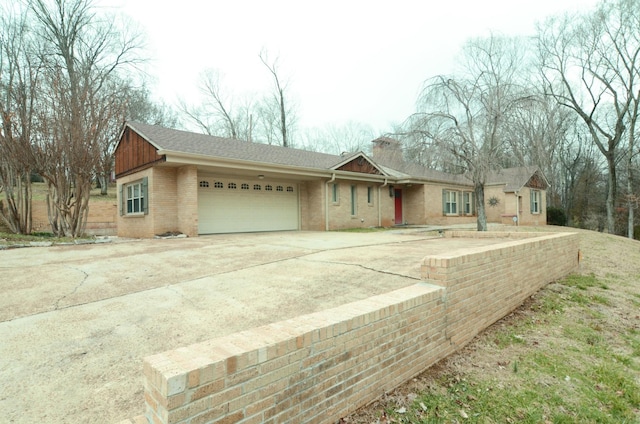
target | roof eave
[{"x": 205, "y": 160}]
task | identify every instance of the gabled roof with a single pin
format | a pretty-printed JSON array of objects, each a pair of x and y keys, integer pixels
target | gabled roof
[
  {"x": 515, "y": 179},
  {"x": 180, "y": 143},
  {"x": 176, "y": 141},
  {"x": 362, "y": 160},
  {"x": 398, "y": 168}
]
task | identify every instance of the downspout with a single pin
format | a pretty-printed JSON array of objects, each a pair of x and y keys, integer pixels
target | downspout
[
  {"x": 380, "y": 203},
  {"x": 326, "y": 206},
  {"x": 517, "y": 209}
]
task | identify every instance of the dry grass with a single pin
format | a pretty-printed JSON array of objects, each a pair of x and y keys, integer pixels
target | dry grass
[{"x": 39, "y": 192}]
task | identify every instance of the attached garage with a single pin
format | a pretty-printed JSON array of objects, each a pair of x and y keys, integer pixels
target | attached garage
[{"x": 233, "y": 205}]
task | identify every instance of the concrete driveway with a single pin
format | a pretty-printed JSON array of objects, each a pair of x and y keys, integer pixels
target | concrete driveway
[{"x": 76, "y": 321}]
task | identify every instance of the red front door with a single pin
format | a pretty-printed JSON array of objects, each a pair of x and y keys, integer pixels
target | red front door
[{"x": 398, "y": 197}]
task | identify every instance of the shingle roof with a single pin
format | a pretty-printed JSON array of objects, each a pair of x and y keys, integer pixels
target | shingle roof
[
  {"x": 401, "y": 169},
  {"x": 513, "y": 178},
  {"x": 207, "y": 145},
  {"x": 173, "y": 140}
]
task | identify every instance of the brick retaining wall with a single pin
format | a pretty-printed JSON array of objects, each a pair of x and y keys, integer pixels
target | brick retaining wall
[
  {"x": 318, "y": 367},
  {"x": 100, "y": 221}
]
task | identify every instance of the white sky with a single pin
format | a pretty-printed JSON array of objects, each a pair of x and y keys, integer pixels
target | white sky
[{"x": 348, "y": 60}]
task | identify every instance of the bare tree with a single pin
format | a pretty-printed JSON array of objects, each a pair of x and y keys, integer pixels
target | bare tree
[
  {"x": 336, "y": 139},
  {"x": 127, "y": 103},
  {"x": 281, "y": 116},
  {"x": 220, "y": 113},
  {"x": 84, "y": 53},
  {"x": 20, "y": 69},
  {"x": 467, "y": 116},
  {"x": 591, "y": 64}
]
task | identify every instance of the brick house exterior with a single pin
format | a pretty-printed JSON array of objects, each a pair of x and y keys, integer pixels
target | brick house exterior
[{"x": 177, "y": 181}]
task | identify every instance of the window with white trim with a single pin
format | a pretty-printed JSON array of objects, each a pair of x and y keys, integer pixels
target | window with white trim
[
  {"x": 449, "y": 202},
  {"x": 468, "y": 202},
  {"x": 135, "y": 198},
  {"x": 535, "y": 201}
]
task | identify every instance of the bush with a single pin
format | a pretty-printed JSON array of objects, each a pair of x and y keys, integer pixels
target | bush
[
  {"x": 636, "y": 232},
  {"x": 556, "y": 216},
  {"x": 36, "y": 178}
]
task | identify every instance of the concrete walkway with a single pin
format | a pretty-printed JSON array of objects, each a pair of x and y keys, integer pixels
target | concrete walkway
[{"x": 76, "y": 321}]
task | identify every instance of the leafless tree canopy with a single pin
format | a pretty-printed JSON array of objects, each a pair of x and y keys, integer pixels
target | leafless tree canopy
[
  {"x": 65, "y": 75},
  {"x": 467, "y": 116},
  {"x": 591, "y": 65}
]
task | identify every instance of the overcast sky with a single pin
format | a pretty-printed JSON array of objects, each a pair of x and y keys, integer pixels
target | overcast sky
[{"x": 356, "y": 60}]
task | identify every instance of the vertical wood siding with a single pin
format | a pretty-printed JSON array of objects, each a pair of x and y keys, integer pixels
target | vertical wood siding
[{"x": 134, "y": 153}]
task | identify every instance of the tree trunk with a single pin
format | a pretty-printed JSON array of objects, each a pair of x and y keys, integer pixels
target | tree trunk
[
  {"x": 611, "y": 194},
  {"x": 482, "y": 213},
  {"x": 630, "y": 205},
  {"x": 17, "y": 212},
  {"x": 104, "y": 184}
]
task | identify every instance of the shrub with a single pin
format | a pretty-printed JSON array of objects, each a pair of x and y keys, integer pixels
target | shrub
[
  {"x": 556, "y": 216},
  {"x": 636, "y": 232}
]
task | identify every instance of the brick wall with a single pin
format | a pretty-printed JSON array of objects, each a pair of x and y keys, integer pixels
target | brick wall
[
  {"x": 187, "y": 200},
  {"x": 316, "y": 368},
  {"x": 163, "y": 200},
  {"x": 486, "y": 283},
  {"x": 100, "y": 221},
  {"x": 135, "y": 225},
  {"x": 378, "y": 212},
  {"x": 312, "y": 205}
]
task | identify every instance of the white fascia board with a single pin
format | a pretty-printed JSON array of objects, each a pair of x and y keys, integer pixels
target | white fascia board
[{"x": 203, "y": 160}]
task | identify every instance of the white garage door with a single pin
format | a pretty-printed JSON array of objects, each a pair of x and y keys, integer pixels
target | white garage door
[{"x": 242, "y": 205}]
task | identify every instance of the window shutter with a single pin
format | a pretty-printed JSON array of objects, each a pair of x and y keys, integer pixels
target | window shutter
[
  {"x": 472, "y": 199},
  {"x": 122, "y": 199},
  {"x": 444, "y": 202},
  {"x": 145, "y": 195}
]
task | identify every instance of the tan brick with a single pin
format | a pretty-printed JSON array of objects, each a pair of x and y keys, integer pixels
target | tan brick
[{"x": 207, "y": 389}]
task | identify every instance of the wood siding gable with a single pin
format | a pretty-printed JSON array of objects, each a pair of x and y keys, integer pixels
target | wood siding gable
[
  {"x": 134, "y": 154},
  {"x": 360, "y": 165},
  {"x": 536, "y": 182}
]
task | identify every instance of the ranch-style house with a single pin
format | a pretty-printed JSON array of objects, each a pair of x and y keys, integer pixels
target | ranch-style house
[{"x": 177, "y": 181}]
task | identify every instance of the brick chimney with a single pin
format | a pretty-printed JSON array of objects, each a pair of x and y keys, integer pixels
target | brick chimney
[{"x": 387, "y": 150}]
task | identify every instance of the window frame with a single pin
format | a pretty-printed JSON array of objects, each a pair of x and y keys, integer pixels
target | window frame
[
  {"x": 370, "y": 196},
  {"x": 468, "y": 203},
  {"x": 447, "y": 202},
  {"x": 535, "y": 201},
  {"x": 128, "y": 198},
  {"x": 335, "y": 193}
]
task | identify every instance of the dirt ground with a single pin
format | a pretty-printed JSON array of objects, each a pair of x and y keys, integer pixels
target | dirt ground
[{"x": 76, "y": 321}]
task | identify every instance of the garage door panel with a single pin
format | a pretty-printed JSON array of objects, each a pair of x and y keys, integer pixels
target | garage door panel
[{"x": 247, "y": 207}]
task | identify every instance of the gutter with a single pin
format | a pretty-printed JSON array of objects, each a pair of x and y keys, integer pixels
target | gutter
[{"x": 380, "y": 203}]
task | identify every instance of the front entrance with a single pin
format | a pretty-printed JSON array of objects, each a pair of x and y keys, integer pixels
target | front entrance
[{"x": 397, "y": 194}]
